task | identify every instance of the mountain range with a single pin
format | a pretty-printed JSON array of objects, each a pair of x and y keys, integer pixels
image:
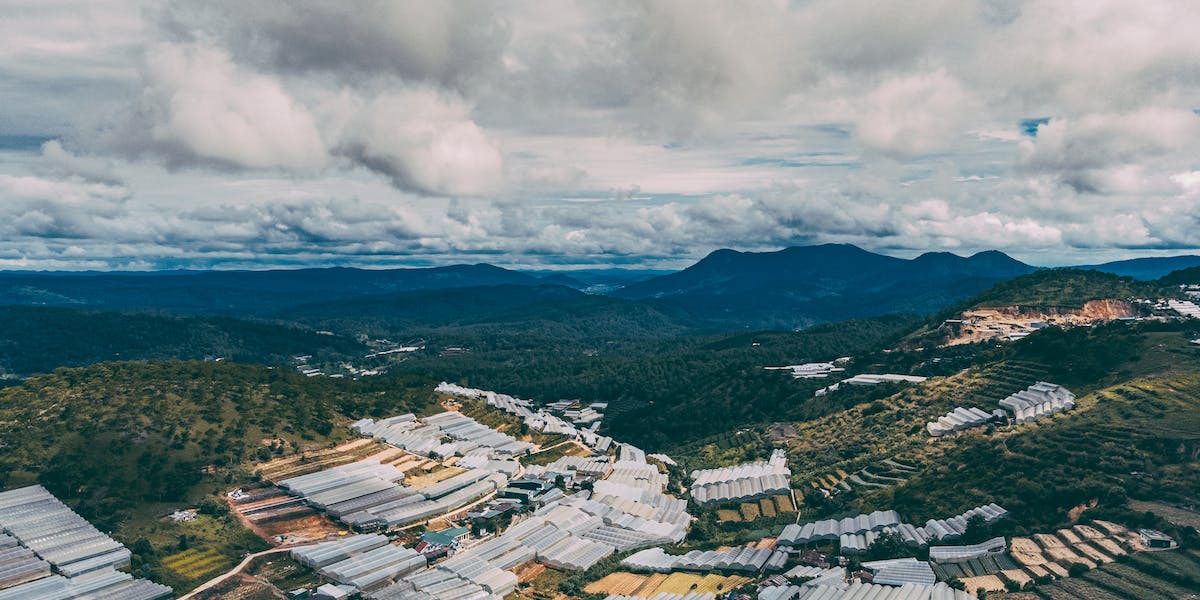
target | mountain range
[
  {"x": 788, "y": 289},
  {"x": 801, "y": 286}
]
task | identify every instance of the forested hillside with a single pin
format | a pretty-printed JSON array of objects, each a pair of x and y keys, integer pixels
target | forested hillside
[
  {"x": 1063, "y": 288},
  {"x": 670, "y": 390},
  {"x": 1133, "y": 435},
  {"x": 40, "y": 339},
  {"x": 113, "y": 436}
]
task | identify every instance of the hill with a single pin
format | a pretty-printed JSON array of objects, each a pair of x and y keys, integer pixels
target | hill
[
  {"x": 1133, "y": 434},
  {"x": 664, "y": 391},
  {"x": 1146, "y": 268},
  {"x": 1062, "y": 288},
  {"x": 1189, "y": 276},
  {"x": 237, "y": 292},
  {"x": 547, "y": 311},
  {"x": 41, "y": 339},
  {"x": 114, "y": 436},
  {"x": 801, "y": 286}
]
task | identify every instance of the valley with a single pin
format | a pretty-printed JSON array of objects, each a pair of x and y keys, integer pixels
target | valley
[{"x": 537, "y": 442}]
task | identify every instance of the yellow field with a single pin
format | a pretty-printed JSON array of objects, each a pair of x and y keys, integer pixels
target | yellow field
[
  {"x": 767, "y": 507},
  {"x": 617, "y": 583},
  {"x": 728, "y": 515},
  {"x": 650, "y": 586},
  {"x": 679, "y": 583},
  {"x": 646, "y": 586},
  {"x": 750, "y": 511},
  {"x": 424, "y": 481},
  {"x": 682, "y": 583},
  {"x": 197, "y": 564},
  {"x": 783, "y": 503}
]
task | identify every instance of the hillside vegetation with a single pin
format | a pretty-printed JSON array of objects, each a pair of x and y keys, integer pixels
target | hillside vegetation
[
  {"x": 1062, "y": 288},
  {"x": 1135, "y": 433},
  {"x": 1182, "y": 276},
  {"x": 668, "y": 391},
  {"x": 113, "y": 436},
  {"x": 40, "y": 339}
]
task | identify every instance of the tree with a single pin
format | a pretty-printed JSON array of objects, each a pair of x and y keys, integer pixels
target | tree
[
  {"x": 213, "y": 507},
  {"x": 888, "y": 545},
  {"x": 977, "y": 530}
]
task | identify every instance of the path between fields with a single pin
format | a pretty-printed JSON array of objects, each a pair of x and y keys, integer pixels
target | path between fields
[{"x": 215, "y": 581}]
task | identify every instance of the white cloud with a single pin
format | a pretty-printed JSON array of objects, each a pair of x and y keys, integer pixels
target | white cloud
[
  {"x": 197, "y": 104},
  {"x": 914, "y": 115},
  {"x": 424, "y": 141},
  {"x": 375, "y": 131}
]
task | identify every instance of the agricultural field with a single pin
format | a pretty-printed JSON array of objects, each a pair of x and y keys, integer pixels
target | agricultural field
[
  {"x": 872, "y": 436},
  {"x": 683, "y": 583},
  {"x": 154, "y": 539},
  {"x": 1173, "y": 514},
  {"x": 624, "y": 584},
  {"x": 197, "y": 565},
  {"x": 750, "y": 511},
  {"x": 506, "y": 423},
  {"x": 554, "y": 452},
  {"x": 878, "y": 475},
  {"x": 1165, "y": 575},
  {"x": 764, "y": 508},
  {"x": 313, "y": 461},
  {"x": 728, "y": 515},
  {"x": 265, "y": 578}
]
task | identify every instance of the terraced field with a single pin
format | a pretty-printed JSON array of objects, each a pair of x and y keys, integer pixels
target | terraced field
[
  {"x": 193, "y": 564},
  {"x": 1169, "y": 575},
  {"x": 886, "y": 438}
]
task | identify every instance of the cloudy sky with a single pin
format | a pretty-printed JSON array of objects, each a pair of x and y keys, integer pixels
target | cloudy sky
[{"x": 275, "y": 133}]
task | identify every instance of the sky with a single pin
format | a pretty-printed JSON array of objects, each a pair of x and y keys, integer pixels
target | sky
[{"x": 557, "y": 134}]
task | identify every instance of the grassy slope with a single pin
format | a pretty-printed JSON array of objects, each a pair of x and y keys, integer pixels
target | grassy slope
[
  {"x": 1063, "y": 288},
  {"x": 1139, "y": 410},
  {"x": 124, "y": 443}
]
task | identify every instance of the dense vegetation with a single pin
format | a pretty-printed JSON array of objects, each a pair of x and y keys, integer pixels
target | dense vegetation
[
  {"x": 1063, "y": 288},
  {"x": 548, "y": 313},
  {"x": 664, "y": 392},
  {"x": 803, "y": 286},
  {"x": 1189, "y": 276},
  {"x": 114, "y": 436},
  {"x": 40, "y": 339}
]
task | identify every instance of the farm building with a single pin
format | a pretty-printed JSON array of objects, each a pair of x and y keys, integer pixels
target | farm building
[
  {"x": 367, "y": 495},
  {"x": 954, "y": 554},
  {"x": 742, "y": 559},
  {"x": 900, "y": 571},
  {"x": 427, "y": 435},
  {"x": 1156, "y": 539},
  {"x": 835, "y": 529},
  {"x": 1185, "y": 308},
  {"x": 742, "y": 482},
  {"x": 869, "y": 591},
  {"x": 47, "y": 551},
  {"x": 957, "y": 420},
  {"x": 361, "y": 561},
  {"x": 871, "y": 379},
  {"x": 1038, "y": 400},
  {"x": 818, "y": 370},
  {"x": 856, "y": 534}
]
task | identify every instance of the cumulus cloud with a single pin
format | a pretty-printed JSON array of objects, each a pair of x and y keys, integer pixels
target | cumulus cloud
[
  {"x": 59, "y": 162},
  {"x": 423, "y": 141},
  {"x": 1102, "y": 152},
  {"x": 374, "y": 131},
  {"x": 914, "y": 115},
  {"x": 448, "y": 43},
  {"x": 197, "y": 105}
]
